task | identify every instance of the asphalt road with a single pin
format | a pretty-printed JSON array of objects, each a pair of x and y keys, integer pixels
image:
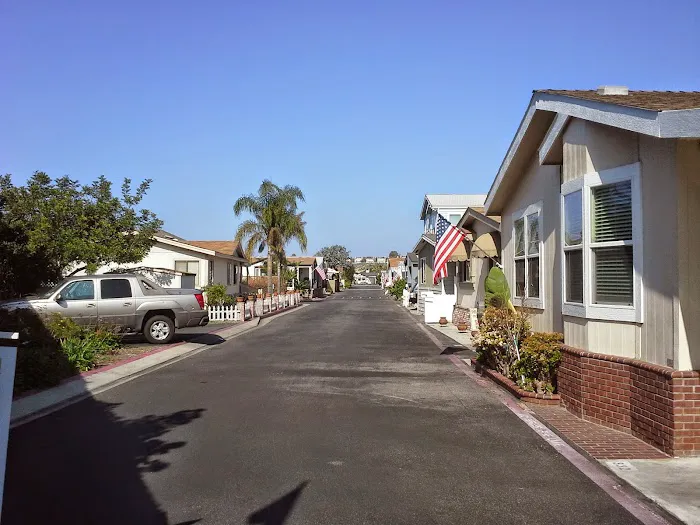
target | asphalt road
[{"x": 341, "y": 413}]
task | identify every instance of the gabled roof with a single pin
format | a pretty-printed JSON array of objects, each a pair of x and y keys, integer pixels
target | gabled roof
[
  {"x": 426, "y": 238},
  {"x": 394, "y": 262},
  {"x": 302, "y": 261},
  {"x": 412, "y": 258},
  {"x": 472, "y": 215},
  {"x": 662, "y": 114},
  {"x": 226, "y": 249},
  {"x": 651, "y": 100},
  {"x": 450, "y": 200}
]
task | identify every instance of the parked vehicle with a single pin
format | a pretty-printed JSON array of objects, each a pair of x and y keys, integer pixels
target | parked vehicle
[{"x": 130, "y": 302}]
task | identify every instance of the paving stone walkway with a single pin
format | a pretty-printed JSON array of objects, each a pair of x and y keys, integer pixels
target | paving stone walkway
[{"x": 598, "y": 441}]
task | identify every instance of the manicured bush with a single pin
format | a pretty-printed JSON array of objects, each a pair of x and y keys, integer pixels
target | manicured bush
[
  {"x": 396, "y": 289},
  {"x": 540, "y": 354},
  {"x": 217, "y": 295},
  {"x": 501, "y": 334}
]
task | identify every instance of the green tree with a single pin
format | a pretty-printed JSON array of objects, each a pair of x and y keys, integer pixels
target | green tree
[
  {"x": 334, "y": 256},
  {"x": 393, "y": 253},
  {"x": 49, "y": 227},
  {"x": 275, "y": 221},
  {"x": 349, "y": 273}
]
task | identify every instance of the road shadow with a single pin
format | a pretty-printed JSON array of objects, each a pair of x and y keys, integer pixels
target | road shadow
[
  {"x": 277, "y": 512},
  {"x": 461, "y": 351},
  {"x": 85, "y": 463}
]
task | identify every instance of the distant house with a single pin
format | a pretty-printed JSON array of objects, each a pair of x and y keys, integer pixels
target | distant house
[
  {"x": 174, "y": 262},
  {"x": 442, "y": 297},
  {"x": 395, "y": 269},
  {"x": 410, "y": 265}
]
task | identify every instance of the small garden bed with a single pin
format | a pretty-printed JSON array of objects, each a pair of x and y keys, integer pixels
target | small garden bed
[{"x": 514, "y": 389}]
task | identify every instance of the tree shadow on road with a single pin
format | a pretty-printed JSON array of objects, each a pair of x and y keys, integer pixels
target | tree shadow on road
[{"x": 84, "y": 464}]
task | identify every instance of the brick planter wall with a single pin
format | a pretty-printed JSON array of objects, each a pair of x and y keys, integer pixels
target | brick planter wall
[
  {"x": 655, "y": 403},
  {"x": 461, "y": 315}
]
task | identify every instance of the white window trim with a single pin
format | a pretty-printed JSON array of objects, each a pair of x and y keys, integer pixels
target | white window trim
[
  {"x": 588, "y": 310},
  {"x": 529, "y": 302}
]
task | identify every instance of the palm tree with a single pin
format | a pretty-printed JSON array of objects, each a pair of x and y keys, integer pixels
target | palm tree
[{"x": 275, "y": 222}]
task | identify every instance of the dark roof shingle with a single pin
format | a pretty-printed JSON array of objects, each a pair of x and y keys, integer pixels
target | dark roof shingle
[{"x": 652, "y": 100}]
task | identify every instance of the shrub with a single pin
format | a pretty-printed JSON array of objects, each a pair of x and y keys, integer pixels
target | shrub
[
  {"x": 497, "y": 291},
  {"x": 396, "y": 289},
  {"x": 217, "y": 295},
  {"x": 536, "y": 370},
  {"x": 501, "y": 334},
  {"x": 55, "y": 348}
]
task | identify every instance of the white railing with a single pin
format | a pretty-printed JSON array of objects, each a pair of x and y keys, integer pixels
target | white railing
[
  {"x": 245, "y": 311},
  {"x": 8, "y": 359}
]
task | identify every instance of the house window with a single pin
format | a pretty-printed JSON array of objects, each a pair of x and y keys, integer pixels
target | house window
[
  {"x": 210, "y": 280},
  {"x": 229, "y": 274},
  {"x": 527, "y": 241},
  {"x": 188, "y": 267},
  {"x": 602, "y": 245},
  {"x": 454, "y": 218},
  {"x": 422, "y": 270}
]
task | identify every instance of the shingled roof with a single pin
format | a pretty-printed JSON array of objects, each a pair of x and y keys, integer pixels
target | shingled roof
[{"x": 651, "y": 100}]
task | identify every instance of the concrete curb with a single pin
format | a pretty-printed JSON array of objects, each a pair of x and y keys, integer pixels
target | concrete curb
[{"x": 35, "y": 406}]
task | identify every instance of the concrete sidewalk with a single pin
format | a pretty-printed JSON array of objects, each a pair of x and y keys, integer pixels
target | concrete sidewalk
[{"x": 37, "y": 405}]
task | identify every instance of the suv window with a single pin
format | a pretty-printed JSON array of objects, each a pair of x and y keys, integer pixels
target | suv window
[
  {"x": 79, "y": 291},
  {"x": 115, "y": 288}
]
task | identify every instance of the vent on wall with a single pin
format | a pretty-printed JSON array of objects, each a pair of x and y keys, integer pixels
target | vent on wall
[{"x": 613, "y": 90}]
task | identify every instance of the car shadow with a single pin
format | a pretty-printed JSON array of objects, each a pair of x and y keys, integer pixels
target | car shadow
[
  {"x": 83, "y": 464},
  {"x": 277, "y": 512}
]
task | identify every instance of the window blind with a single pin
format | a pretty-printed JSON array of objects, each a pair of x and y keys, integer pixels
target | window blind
[
  {"x": 612, "y": 212},
  {"x": 613, "y": 275}
]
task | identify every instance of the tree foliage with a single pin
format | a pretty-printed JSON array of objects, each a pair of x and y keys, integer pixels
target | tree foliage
[
  {"x": 275, "y": 221},
  {"x": 49, "y": 227},
  {"x": 393, "y": 253},
  {"x": 334, "y": 256},
  {"x": 497, "y": 291},
  {"x": 349, "y": 273}
]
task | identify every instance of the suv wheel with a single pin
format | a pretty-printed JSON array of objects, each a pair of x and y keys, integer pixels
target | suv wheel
[{"x": 159, "y": 329}]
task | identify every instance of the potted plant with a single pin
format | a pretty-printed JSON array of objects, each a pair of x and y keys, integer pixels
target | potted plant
[
  {"x": 443, "y": 321},
  {"x": 462, "y": 327},
  {"x": 251, "y": 297},
  {"x": 240, "y": 299}
]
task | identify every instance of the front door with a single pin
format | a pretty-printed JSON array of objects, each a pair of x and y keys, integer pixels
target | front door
[
  {"x": 117, "y": 306},
  {"x": 77, "y": 300}
]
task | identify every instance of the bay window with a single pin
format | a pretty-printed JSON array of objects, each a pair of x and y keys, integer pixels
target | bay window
[
  {"x": 601, "y": 221},
  {"x": 527, "y": 251}
]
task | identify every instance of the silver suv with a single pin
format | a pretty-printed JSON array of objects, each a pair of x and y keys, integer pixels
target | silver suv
[{"x": 128, "y": 301}]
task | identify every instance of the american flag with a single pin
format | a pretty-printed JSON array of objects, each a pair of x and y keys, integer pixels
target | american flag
[
  {"x": 320, "y": 271},
  {"x": 448, "y": 238}
]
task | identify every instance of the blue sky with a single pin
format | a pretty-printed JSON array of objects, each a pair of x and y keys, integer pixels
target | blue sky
[{"x": 365, "y": 105}]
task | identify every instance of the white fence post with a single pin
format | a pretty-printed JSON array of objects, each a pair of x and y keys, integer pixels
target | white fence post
[
  {"x": 8, "y": 359},
  {"x": 259, "y": 306}
]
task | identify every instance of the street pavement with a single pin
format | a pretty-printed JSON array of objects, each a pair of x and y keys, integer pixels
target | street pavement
[{"x": 343, "y": 412}]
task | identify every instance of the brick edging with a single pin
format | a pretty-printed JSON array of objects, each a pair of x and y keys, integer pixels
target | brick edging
[
  {"x": 513, "y": 388},
  {"x": 666, "y": 371}
]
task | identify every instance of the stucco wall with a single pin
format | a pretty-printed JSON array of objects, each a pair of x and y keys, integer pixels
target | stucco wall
[
  {"x": 688, "y": 162},
  {"x": 539, "y": 184}
]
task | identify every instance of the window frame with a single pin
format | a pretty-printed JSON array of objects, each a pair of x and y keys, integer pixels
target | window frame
[
  {"x": 421, "y": 269},
  {"x": 229, "y": 273},
  {"x": 529, "y": 302},
  {"x": 588, "y": 309},
  {"x": 464, "y": 277}
]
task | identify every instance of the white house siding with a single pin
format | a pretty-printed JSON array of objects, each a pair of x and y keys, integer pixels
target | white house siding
[
  {"x": 220, "y": 275},
  {"x": 539, "y": 184},
  {"x": 164, "y": 256},
  {"x": 688, "y": 168}
]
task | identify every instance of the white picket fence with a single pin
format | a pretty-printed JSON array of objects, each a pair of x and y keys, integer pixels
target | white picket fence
[{"x": 247, "y": 310}]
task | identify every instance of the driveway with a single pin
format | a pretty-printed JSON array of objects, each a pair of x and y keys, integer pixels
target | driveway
[{"x": 341, "y": 413}]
